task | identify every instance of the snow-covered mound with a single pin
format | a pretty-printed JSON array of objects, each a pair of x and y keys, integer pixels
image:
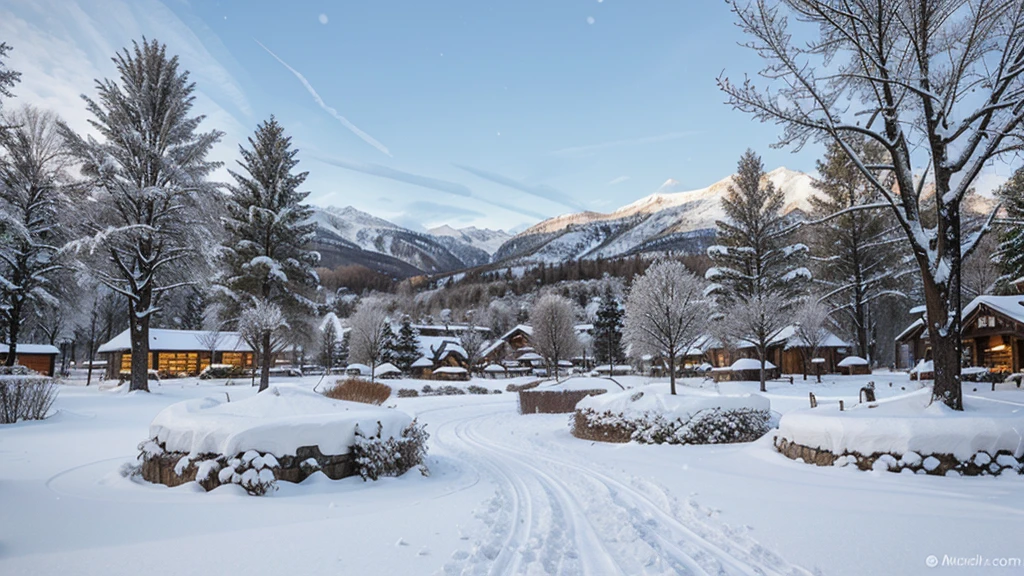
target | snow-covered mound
[
  {"x": 910, "y": 423},
  {"x": 744, "y": 364},
  {"x": 278, "y": 421},
  {"x": 656, "y": 399}
]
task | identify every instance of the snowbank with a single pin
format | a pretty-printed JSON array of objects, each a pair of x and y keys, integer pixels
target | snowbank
[
  {"x": 278, "y": 421},
  {"x": 656, "y": 399},
  {"x": 910, "y": 423},
  {"x": 578, "y": 384}
]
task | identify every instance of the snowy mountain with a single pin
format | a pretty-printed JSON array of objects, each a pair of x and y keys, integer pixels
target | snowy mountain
[
  {"x": 669, "y": 219},
  {"x": 487, "y": 240},
  {"x": 349, "y": 236}
]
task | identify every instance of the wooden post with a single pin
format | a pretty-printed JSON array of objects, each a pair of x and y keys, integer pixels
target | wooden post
[
  {"x": 840, "y": 405},
  {"x": 814, "y": 401}
]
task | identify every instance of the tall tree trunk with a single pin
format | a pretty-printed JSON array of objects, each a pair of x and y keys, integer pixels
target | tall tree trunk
[
  {"x": 140, "y": 343},
  {"x": 672, "y": 371},
  {"x": 943, "y": 304},
  {"x": 265, "y": 368},
  {"x": 13, "y": 328},
  {"x": 762, "y": 352}
]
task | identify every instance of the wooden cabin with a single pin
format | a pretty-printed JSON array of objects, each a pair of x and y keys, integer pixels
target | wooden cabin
[
  {"x": 41, "y": 358},
  {"x": 993, "y": 336},
  {"x": 788, "y": 351},
  {"x": 178, "y": 352}
]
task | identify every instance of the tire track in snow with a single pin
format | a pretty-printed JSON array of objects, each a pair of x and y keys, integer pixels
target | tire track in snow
[{"x": 613, "y": 527}]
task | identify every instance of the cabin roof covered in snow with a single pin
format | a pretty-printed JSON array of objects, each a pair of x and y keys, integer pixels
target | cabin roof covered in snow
[
  {"x": 1011, "y": 306},
  {"x": 423, "y": 362},
  {"x": 30, "y": 349},
  {"x": 791, "y": 339},
  {"x": 910, "y": 329},
  {"x": 750, "y": 364},
  {"x": 387, "y": 368},
  {"x": 163, "y": 340}
]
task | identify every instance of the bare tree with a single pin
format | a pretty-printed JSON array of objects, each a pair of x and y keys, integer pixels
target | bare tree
[
  {"x": 259, "y": 324},
  {"x": 939, "y": 81},
  {"x": 666, "y": 312},
  {"x": 554, "y": 330},
  {"x": 758, "y": 321},
  {"x": 147, "y": 222},
  {"x": 211, "y": 336},
  {"x": 368, "y": 337},
  {"x": 472, "y": 341},
  {"x": 811, "y": 331}
]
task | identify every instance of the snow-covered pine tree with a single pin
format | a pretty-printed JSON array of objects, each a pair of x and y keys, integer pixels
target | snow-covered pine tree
[
  {"x": 147, "y": 223},
  {"x": 390, "y": 344},
  {"x": 267, "y": 255},
  {"x": 608, "y": 330},
  {"x": 857, "y": 257},
  {"x": 667, "y": 310},
  {"x": 32, "y": 190},
  {"x": 1010, "y": 253},
  {"x": 757, "y": 276},
  {"x": 406, "y": 349},
  {"x": 8, "y": 78}
]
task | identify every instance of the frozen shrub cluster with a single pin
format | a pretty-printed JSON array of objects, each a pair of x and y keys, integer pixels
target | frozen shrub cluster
[
  {"x": 25, "y": 397},
  {"x": 474, "y": 389},
  {"x": 446, "y": 390},
  {"x": 16, "y": 370},
  {"x": 710, "y": 426},
  {"x": 408, "y": 393},
  {"x": 376, "y": 456}
]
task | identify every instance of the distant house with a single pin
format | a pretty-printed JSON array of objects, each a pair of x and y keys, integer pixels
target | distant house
[
  {"x": 177, "y": 352},
  {"x": 992, "y": 333},
  {"x": 41, "y": 358},
  {"x": 787, "y": 351}
]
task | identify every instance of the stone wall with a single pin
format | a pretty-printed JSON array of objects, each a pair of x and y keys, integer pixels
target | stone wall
[
  {"x": 552, "y": 401},
  {"x": 980, "y": 464},
  {"x": 177, "y": 468}
]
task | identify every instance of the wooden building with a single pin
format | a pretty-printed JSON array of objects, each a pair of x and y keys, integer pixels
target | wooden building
[
  {"x": 41, "y": 358},
  {"x": 993, "y": 336},
  {"x": 788, "y": 351},
  {"x": 178, "y": 352}
]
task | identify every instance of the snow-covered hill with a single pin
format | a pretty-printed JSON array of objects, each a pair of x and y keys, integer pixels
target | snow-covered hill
[
  {"x": 349, "y": 236},
  {"x": 669, "y": 219}
]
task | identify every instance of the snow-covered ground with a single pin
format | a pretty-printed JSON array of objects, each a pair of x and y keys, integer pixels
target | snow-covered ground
[{"x": 507, "y": 494}]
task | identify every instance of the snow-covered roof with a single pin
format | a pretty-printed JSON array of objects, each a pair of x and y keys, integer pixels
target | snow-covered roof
[
  {"x": 164, "y": 340},
  {"x": 531, "y": 356},
  {"x": 791, "y": 339},
  {"x": 387, "y": 368},
  {"x": 909, "y": 329},
  {"x": 450, "y": 370},
  {"x": 356, "y": 367},
  {"x": 528, "y": 330},
  {"x": 492, "y": 347},
  {"x": 750, "y": 364},
  {"x": 494, "y": 368},
  {"x": 450, "y": 327},
  {"x": 919, "y": 309},
  {"x": 1011, "y": 306},
  {"x": 423, "y": 362},
  {"x": 853, "y": 361},
  {"x": 30, "y": 349},
  {"x": 583, "y": 327},
  {"x": 428, "y": 344}
]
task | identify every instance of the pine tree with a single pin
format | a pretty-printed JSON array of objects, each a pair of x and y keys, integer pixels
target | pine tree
[
  {"x": 8, "y": 77},
  {"x": 1010, "y": 253},
  {"x": 267, "y": 255},
  {"x": 608, "y": 330},
  {"x": 147, "y": 218},
  {"x": 406, "y": 348},
  {"x": 856, "y": 256},
  {"x": 32, "y": 191},
  {"x": 756, "y": 277},
  {"x": 389, "y": 348}
]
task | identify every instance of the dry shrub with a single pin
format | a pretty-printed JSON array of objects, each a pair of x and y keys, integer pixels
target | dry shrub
[
  {"x": 25, "y": 398},
  {"x": 359, "y": 390},
  {"x": 552, "y": 401}
]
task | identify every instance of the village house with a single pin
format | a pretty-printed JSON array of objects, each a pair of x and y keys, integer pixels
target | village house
[
  {"x": 993, "y": 336},
  {"x": 178, "y": 352},
  {"x": 788, "y": 351},
  {"x": 41, "y": 358}
]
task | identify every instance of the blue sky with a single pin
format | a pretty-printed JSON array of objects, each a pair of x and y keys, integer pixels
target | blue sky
[{"x": 467, "y": 112}]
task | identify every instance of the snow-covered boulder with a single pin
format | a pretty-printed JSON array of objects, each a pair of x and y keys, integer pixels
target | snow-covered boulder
[
  {"x": 915, "y": 431},
  {"x": 290, "y": 432},
  {"x": 651, "y": 415}
]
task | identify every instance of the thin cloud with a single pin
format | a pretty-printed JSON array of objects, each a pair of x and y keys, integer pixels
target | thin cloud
[
  {"x": 539, "y": 190},
  {"x": 591, "y": 149},
  {"x": 618, "y": 180},
  {"x": 423, "y": 182},
  {"x": 320, "y": 102}
]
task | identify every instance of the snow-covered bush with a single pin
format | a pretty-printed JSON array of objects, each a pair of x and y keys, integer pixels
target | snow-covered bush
[
  {"x": 25, "y": 397},
  {"x": 446, "y": 390},
  {"x": 474, "y": 389},
  {"x": 16, "y": 370},
  {"x": 408, "y": 393},
  {"x": 376, "y": 456},
  {"x": 359, "y": 390},
  {"x": 710, "y": 426}
]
